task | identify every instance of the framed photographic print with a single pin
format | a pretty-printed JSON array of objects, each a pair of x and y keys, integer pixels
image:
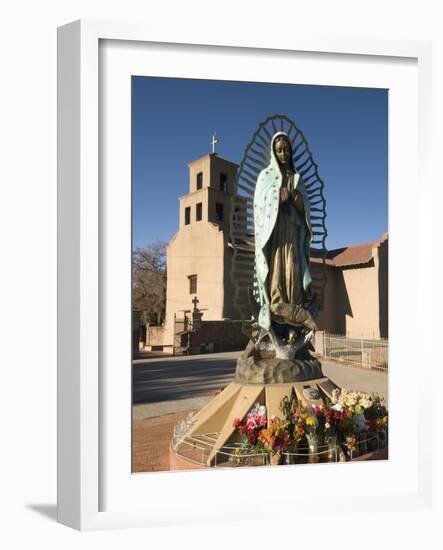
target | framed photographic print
[{"x": 225, "y": 300}]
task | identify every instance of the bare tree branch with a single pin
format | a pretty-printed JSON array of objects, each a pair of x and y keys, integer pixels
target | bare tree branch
[{"x": 149, "y": 282}]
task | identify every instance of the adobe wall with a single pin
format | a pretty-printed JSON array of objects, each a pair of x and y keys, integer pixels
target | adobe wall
[
  {"x": 155, "y": 336},
  {"x": 197, "y": 249},
  {"x": 331, "y": 316},
  {"x": 383, "y": 280},
  {"x": 361, "y": 282},
  {"x": 352, "y": 303}
]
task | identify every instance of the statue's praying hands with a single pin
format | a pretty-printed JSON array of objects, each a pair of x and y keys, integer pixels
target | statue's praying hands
[{"x": 285, "y": 194}]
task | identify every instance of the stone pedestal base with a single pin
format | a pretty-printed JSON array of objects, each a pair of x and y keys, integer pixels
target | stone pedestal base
[
  {"x": 254, "y": 370},
  {"x": 212, "y": 429}
]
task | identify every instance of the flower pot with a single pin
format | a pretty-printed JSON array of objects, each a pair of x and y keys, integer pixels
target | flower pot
[
  {"x": 362, "y": 443},
  {"x": 261, "y": 459},
  {"x": 372, "y": 442},
  {"x": 332, "y": 453},
  {"x": 352, "y": 446},
  {"x": 313, "y": 449},
  {"x": 292, "y": 455},
  {"x": 382, "y": 439},
  {"x": 288, "y": 458}
]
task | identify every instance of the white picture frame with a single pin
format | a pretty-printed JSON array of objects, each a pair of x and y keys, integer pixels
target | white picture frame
[{"x": 94, "y": 492}]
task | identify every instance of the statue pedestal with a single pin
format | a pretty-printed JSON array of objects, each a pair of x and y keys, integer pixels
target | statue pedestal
[
  {"x": 254, "y": 370},
  {"x": 212, "y": 430}
]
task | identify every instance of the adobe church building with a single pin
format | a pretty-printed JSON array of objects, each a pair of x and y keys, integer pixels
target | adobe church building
[
  {"x": 355, "y": 302},
  {"x": 199, "y": 259}
]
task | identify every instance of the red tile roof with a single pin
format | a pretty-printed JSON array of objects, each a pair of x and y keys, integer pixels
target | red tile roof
[
  {"x": 354, "y": 255},
  {"x": 359, "y": 254}
]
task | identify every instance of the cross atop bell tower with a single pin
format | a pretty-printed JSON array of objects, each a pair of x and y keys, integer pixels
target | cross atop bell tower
[{"x": 214, "y": 142}]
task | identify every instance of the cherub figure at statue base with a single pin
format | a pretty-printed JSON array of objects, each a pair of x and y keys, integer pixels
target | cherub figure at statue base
[{"x": 292, "y": 328}]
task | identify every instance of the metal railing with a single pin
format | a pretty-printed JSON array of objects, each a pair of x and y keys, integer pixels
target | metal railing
[{"x": 362, "y": 352}]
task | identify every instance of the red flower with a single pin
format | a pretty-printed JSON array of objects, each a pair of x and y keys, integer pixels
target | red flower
[{"x": 236, "y": 422}]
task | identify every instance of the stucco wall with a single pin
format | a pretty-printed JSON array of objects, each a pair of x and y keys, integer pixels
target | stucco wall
[
  {"x": 362, "y": 288},
  {"x": 383, "y": 281},
  {"x": 220, "y": 165},
  {"x": 355, "y": 298},
  {"x": 199, "y": 165},
  {"x": 155, "y": 336},
  {"x": 212, "y": 166},
  {"x": 191, "y": 201},
  {"x": 196, "y": 249},
  {"x": 331, "y": 315}
]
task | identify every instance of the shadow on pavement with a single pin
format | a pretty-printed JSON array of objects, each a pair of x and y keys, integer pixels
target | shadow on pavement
[{"x": 157, "y": 381}]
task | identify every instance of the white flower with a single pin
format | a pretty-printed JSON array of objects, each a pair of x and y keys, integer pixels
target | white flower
[{"x": 258, "y": 409}]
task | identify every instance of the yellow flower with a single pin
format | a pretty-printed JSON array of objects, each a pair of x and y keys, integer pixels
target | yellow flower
[{"x": 310, "y": 421}]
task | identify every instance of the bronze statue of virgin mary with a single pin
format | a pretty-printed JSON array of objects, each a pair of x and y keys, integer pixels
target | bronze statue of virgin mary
[{"x": 282, "y": 247}]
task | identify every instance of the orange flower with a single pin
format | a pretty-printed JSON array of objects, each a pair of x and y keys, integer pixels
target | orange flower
[{"x": 299, "y": 429}]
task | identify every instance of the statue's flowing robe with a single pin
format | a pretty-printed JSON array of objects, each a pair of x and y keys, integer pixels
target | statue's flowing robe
[{"x": 282, "y": 240}]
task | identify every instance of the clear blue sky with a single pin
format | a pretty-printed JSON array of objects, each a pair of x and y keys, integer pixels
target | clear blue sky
[{"x": 173, "y": 121}]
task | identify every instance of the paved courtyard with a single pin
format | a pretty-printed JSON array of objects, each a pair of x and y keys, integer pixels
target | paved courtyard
[
  {"x": 172, "y": 384},
  {"x": 151, "y": 440}
]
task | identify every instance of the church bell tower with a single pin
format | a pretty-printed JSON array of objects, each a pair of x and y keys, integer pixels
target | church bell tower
[
  {"x": 199, "y": 256},
  {"x": 211, "y": 183}
]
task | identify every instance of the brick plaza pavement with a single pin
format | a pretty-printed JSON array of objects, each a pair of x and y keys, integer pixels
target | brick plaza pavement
[{"x": 151, "y": 440}]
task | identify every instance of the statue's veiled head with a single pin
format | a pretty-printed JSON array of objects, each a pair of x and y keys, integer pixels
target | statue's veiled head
[{"x": 282, "y": 149}]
